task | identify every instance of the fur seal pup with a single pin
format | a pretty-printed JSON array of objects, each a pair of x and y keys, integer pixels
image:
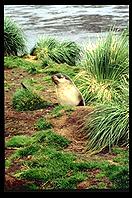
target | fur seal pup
[{"x": 67, "y": 92}]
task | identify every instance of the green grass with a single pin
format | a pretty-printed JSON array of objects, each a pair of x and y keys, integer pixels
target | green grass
[
  {"x": 122, "y": 157},
  {"x": 48, "y": 166},
  {"x": 109, "y": 60},
  {"x": 14, "y": 38},
  {"x": 69, "y": 182},
  {"x": 18, "y": 141},
  {"x": 50, "y": 50},
  {"x": 61, "y": 68},
  {"x": 103, "y": 68},
  {"x": 33, "y": 83},
  {"x": 11, "y": 62},
  {"x": 17, "y": 62},
  {"x": 45, "y": 44},
  {"x": 49, "y": 137},
  {"x": 107, "y": 126},
  {"x": 43, "y": 124},
  {"x": 119, "y": 175},
  {"x": 30, "y": 81},
  {"x": 24, "y": 100},
  {"x": 66, "y": 52},
  {"x": 59, "y": 110}
]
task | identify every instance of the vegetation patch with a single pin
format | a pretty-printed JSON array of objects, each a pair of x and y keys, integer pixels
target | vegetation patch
[
  {"x": 14, "y": 62},
  {"x": 14, "y": 38},
  {"x": 49, "y": 50},
  {"x": 25, "y": 99},
  {"x": 108, "y": 125},
  {"x": 61, "y": 68},
  {"x": 51, "y": 138},
  {"x": 103, "y": 67},
  {"x": 18, "y": 141},
  {"x": 48, "y": 166},
  {"x": 119, "y": 176},
  {"x": 122, "y": 156},
  {"x": 60, "y": 110},
  {"x": 43, "y": 124}
]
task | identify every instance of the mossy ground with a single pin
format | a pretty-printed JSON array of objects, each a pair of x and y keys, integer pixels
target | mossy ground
[{"x": 43, "y": 149}]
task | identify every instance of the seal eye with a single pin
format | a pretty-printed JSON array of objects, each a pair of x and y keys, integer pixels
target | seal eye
[{"x": 59, "y": 76}]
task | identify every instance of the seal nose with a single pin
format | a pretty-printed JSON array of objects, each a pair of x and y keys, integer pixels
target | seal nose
[{"x": 54, "y": 79}]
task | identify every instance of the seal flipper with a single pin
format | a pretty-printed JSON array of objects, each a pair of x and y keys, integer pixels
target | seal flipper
[
  {"x": 81, "y": 103},
  {"x": 24, "y": 86}
]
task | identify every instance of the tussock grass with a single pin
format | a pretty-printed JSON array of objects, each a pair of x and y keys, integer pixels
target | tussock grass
[
  {"x": 66, "y": 52},
  {"x": 103, "y": 66},
  {"x": 107, "y": 126},
  {"x": 14, "y": 38},
  {"x": 49, "y": 50},
  {"x": 104, "y": 82}
]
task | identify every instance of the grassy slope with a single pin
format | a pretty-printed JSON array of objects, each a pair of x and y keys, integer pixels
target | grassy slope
[{"x": 42, "y": 158}]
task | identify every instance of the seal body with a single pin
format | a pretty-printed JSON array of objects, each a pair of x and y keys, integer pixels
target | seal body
[{"x": 67, "y": 92}]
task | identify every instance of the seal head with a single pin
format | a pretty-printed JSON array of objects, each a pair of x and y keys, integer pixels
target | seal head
[{"x": 67, "y": 92}]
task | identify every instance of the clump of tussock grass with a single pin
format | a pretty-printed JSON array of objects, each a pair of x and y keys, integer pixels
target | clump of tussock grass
[
  {"x": 25, "y": 99},
  {"x": 103, "y": 67},
  {"x": 50, "y": 50},
  {"x": 66, "y": 52},
  {"x": 107, "y": 126},
  {"x": 14, "y": 38},
  {"x": 43, "y": 48}
]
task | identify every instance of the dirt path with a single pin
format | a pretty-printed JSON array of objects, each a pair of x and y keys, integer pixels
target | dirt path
[{"x": 69, "y": 127}]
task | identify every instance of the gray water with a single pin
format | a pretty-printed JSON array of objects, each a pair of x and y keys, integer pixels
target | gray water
[{"x": 78, "y": 23}]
